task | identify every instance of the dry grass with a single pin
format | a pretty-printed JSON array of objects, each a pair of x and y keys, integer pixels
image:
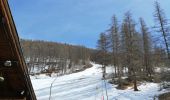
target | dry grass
[{"x": 165, "y": 96}]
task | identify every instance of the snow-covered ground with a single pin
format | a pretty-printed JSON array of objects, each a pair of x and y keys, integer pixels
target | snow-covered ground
[{"x": 87, "y": 85}]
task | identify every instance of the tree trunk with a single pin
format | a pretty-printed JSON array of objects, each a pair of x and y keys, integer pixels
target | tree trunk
[{"x": 135, "y": 83}]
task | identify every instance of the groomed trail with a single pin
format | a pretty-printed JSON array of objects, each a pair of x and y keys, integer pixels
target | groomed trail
[{"x": 88, "y": 85}]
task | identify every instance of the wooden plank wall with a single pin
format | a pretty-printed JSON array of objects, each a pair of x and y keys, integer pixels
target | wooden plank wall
[{"x": 16, "y": 79}]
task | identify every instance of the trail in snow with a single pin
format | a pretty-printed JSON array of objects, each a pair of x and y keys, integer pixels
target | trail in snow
[{"x": 87, "y": 85}]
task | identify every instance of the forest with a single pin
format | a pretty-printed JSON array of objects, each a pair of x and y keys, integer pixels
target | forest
[
  {"x": 49, "y": 57},
  {"x": 140, "y": 50}
]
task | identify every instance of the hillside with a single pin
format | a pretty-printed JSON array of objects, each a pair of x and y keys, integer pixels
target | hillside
[{"x": 49, "y": 57}]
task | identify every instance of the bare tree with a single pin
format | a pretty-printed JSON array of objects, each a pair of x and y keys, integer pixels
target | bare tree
[
  {"x": 146, "y": 49},
  {"x": 114, "y": 39},
  {"x": 132, "y": 50},
  {"x": 102, "y": 47},
  {"x": 162, "y": 25}
]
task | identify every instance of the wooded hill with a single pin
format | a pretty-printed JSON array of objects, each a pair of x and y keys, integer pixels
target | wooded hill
[{"x": 43, "y": 56}]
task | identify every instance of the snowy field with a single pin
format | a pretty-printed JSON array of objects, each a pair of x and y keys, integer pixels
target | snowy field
[{"x": 87, "y": 85}]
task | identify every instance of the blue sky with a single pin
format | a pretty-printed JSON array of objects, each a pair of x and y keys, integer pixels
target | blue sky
[{"x": 76, "y": 21}]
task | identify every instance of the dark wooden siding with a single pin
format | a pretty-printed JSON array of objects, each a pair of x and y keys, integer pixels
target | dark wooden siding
[{"x": 17, "y": 83}]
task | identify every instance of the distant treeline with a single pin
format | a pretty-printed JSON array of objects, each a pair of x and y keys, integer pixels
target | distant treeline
[{"x": 52, "y": 56}]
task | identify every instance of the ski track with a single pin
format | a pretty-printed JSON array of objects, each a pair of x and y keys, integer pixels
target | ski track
[{"x": 87, "y": 85}]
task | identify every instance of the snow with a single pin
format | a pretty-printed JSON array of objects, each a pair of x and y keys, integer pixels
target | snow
[{"x": 88, "y": 85}]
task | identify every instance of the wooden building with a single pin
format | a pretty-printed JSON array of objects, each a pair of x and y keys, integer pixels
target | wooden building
[{"x": 15, "y": 83}]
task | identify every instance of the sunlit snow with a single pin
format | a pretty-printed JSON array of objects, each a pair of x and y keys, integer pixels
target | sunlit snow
[{"x": 88, "y": 85}]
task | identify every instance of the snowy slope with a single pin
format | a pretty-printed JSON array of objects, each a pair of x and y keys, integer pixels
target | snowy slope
[{"x": 87, "y": 85}]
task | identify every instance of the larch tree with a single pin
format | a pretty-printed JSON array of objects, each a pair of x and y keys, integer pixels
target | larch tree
[
  {"x": 114, "y": 41},
  {"x": 132, "y": 48},
  {"x": 148, "y": 69},
  {"x": 102, "y": 46},
  {"x": 162, "y": 26}
]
